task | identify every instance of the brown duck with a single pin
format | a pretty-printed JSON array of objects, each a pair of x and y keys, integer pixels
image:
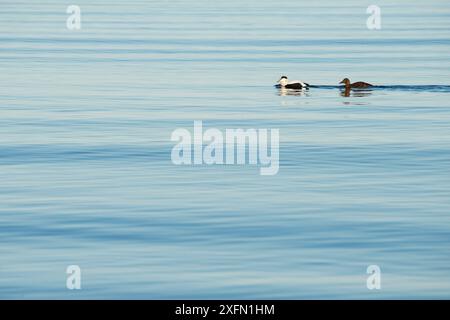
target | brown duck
[{"x": 359, "y": 84}]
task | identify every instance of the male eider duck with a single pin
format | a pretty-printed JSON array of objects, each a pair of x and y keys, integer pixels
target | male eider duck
[
  {"x": 356, "y": 85},
  {"x": 285, "y": 83}
]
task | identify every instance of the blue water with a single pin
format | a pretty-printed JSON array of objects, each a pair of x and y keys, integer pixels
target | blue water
[{"x": 86, "y": 176}]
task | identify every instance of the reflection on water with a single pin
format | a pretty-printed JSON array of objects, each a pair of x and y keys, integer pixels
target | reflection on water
[
  {"x": 293, "y": 92},
  {"x": 306, "y": 92},
  {"x": 348, "y": 92}
]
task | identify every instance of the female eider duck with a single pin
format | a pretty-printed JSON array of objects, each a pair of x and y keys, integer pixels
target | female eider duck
[
  {"x": 285, "y": 83},
  {"x": 356, "y": 85}
]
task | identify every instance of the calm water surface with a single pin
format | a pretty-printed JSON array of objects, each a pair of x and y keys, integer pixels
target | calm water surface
[{"x": 86, "y": 175}]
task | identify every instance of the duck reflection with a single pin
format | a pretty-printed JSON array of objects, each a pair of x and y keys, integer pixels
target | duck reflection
[
  {"x": 348, "y": 92},
  {"x": 293, "y": 92}
]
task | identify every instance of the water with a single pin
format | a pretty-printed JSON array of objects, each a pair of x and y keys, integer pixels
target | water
[{"x": 86, "y": 175}]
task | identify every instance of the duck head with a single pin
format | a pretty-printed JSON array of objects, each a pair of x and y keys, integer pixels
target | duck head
[
  {"x": 346, "y": 81},
  {"x": 283, "y": 81}
]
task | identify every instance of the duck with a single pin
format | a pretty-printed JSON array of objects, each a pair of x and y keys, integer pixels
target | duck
[
  {"x": 358, "y": 84},
  {"x": 285, "y": 83}
]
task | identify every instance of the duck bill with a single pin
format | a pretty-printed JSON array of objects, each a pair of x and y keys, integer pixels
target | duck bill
[{"x": 341, "y": 82}]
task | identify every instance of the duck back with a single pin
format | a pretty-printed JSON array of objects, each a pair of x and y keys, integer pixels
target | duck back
[{"x": 361, "y": 84}]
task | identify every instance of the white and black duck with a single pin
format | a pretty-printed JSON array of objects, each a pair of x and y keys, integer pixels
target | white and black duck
[{"x": 285, "y": 83}]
